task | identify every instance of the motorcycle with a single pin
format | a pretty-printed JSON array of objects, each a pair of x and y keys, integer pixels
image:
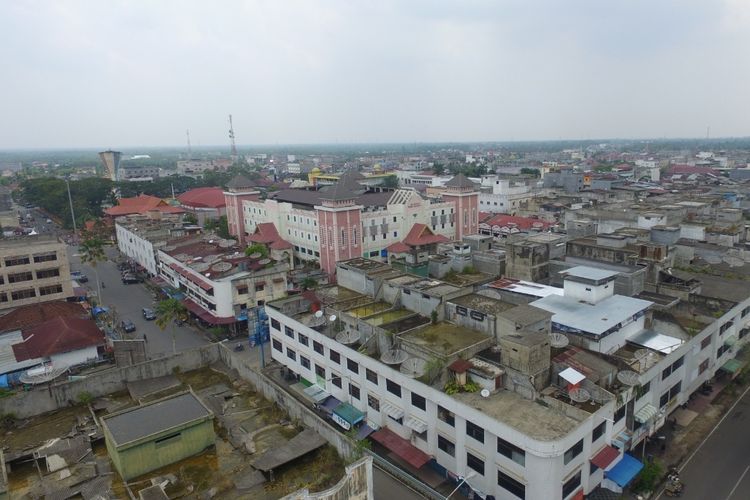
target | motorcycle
[
  {"x": 674, "y": 484},
  {"x": 239, "y": 347}
]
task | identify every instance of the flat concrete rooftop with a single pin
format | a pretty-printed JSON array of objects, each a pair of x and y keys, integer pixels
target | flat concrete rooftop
[
  {"x": 529, "y": 417},
  {"x": 487, "y": 305},
  {"x": 444, "y": 338}
]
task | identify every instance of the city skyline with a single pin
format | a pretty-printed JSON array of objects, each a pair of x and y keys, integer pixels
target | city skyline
[{"x": 92, "y": 75}]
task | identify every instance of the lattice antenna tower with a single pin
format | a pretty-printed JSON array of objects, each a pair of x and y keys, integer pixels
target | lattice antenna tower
[
  {"x": 231, "y": 138},
  {"x": 190, "y": 148}
]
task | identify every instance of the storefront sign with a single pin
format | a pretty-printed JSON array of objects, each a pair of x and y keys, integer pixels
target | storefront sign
[{"x": 343, "y": 423}]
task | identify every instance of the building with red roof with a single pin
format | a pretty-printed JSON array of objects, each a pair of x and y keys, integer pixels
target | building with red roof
[
  {"x": 29, "y": 316},
  {"x": 58, "y": 343},
  {"x": 204, "y": 203},
  {"x": 141, "y": 204},
  {"x": 503, "y": 224}
]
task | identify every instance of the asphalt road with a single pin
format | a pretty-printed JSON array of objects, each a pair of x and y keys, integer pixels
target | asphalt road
[
  {"x": 129, "y": 300},
  {"x": 719, "y": 469}
]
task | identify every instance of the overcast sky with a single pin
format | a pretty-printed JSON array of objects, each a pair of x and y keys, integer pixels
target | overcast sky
[{"x": 119, "y": 74}]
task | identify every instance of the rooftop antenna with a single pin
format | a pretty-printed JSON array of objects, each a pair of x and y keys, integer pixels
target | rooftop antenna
[
  {"x": 231, "y": 139},
  {"x": 190, "y": 149}
]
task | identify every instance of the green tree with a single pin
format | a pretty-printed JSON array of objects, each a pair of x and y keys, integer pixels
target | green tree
[
  {"x": 190, "y": 219},
  {"x": 92, "y": 252},
  {"x": 438, "y": 168},
  {"x": 309, "y": 283},
  {"x": 257, "y": 248},
  {"x": 390, "y": 182},
  {"x": 534, "y": 172},
  {"x": 168, "y": 311}
]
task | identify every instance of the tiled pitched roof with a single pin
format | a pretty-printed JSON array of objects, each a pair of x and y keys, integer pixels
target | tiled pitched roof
[
  {"x": 140, "y": 205},
  {"x": 206, "y": 197},
  {"x": 240, "y": 182},
  {"x": 57, "y": 336},
  {"x": 347, "y": 187},
  {"x": 32, "y": 315},
  {"x": 266, "y": 232},
  {"x": 420, "y": 234},
  {"x": 459, "y": 181}
]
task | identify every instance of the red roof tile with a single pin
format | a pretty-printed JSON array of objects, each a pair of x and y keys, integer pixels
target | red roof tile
[
  {"x": 420, "y": 234},
  {"x": 57, "y": 336},
  {"x": 140, "y": 205},
  {"x": 523, "y": 223},
  {"x": 606, "y": 456},
  {"x": 205, "y": 197},
  {"x": 398, "y": 247},
  {"x": 401, "y": 447},
  {"x": 460, "y": 366},
  {"x": 266, "y": 233},
  {"x": 32, "y": 315}
]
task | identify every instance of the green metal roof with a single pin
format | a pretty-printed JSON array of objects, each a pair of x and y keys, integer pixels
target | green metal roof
[
  {"x": 732, "y": 366},
  {"x": 349, "y": 413}
]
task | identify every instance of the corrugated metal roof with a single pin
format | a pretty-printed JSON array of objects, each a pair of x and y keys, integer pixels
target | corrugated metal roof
[{"x": 592, "y": 318}]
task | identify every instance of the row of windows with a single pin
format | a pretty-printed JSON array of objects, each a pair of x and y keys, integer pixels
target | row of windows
[
  {"x": 672, "y": 368},
  {"x": 670, "y": 394}
]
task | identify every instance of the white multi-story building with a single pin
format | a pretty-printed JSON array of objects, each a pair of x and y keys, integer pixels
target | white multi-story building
[
  {"x": 139, "y": 237},
  {"x": 502, "y": 196},
  {"x": 543, "y": 426},
  {"x": 410, "y": 178}
]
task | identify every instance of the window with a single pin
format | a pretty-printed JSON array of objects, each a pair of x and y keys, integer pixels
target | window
[
  {"x": 335, "y": 357},
  {"x": 399, "y": 420},
  {"x": 446, "y": 416},
  {"x": 571, "y": 484},
  {"x": 23, "y": 294},
  {"x": 352, "y": 366},
  {"x": 720, "y": 352},
  {"x": 354, "y": 391},
  {"x": 573, "y": 452},
  {"x": 277, "y": 345},
  {"x": 373, "y": 402},
  {"x": 446, "y": 446},
  {"x": 303, "y": 339},
  {"x": 45, "y": 257},
  {"x": 275, "y": 324},
  {"x": 289, "y": 332},
  {"x": 371, "y": 376},
  {"x": 645, "y": 388},
  {"x": 509, "y": 484},
  {"x": 598, "y": 431},
  {"x": 259, "y": 287},
  {"x": 49, "y": 290},
  {"x": 418, "y": 401},
  {"x": 511, "y": 451},
  {"x": 291, "y": 354},
  {"x": 318, "y": 347},
  {"x": 242, "y": 290},
  {"x": 703, "y": 366},
  {"x": 320, "y": 371},
  {"x": 304, "y": 361},
  {"x": 3, "y": 297},
  {"x": 20, "y": 277},
  {"x": 475, "y": 463},
  {"x": 475, "y": 431},
  {"x": 47, "y": 273},
  {"x": 393, "y": 387},
  {"x": 336, "y": 380},
  {"x": 678, "y": 363},
  {"x": 16, "y": 261},
  {"x": 620, "y": 413}
]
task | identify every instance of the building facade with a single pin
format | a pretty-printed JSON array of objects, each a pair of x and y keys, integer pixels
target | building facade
[{"x": 33, "y": 269}]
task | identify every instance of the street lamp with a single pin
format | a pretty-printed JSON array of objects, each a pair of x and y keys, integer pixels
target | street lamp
[{"x": 461, "y": 482}]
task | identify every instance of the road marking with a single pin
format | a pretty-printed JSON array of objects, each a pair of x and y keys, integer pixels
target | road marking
[
  {"x": 706, "y": 439},
  {"x": 738, "y": 482}
]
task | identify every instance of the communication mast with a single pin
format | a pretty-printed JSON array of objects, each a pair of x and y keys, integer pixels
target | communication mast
[
  {"x": 231, "y": 139},
  {"x": 190, "y": 149}
]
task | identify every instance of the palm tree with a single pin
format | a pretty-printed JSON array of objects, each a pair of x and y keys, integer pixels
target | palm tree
[
  {"x": 167, "y": 311},
  {"x": 92, "y": 252}
]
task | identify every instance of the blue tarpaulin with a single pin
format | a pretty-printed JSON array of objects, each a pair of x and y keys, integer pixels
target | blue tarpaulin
[
  {"x": 4, "y": 381},
  {"x": 99, "y": 310},
  {"x": 624, "y": 471}
]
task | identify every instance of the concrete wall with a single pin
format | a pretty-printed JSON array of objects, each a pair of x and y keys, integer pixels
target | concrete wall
[
  {"x": 59, "y": 395},
  {"x": 355, "y": 485}
]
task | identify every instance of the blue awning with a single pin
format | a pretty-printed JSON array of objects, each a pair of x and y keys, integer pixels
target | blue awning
[
  {"x": 624, "y": 471},
  {"x": 99, "y": 310}
]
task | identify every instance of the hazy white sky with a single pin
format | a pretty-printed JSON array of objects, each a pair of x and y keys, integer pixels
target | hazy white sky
[{"x": 117, "y": 73}]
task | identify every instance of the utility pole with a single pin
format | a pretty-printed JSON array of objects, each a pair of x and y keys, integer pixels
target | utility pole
[{"x": 72, "y": 213}]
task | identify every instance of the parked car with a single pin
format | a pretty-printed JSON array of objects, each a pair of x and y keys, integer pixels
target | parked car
[
  {"x": 79, "y": 277},
  {"x": 127, "y": 326},
  {"x": 148, "y": 314},
  {"x": 129, "y": 279}
]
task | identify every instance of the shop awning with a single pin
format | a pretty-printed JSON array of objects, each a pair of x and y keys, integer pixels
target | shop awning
[
  {"x": 401, "y": 447},
  {"x": 732, "y": 366},
  {"x": 624, "y": 471},
  {"x": 392, "y": 410},
  {"x": 646, "y": 413},
  {"x": 364, "y": 431},
  {"x": 416, "y": 424},
  {"x": 349, "y": 413},
  {"x": 207, "y": 316},
  {"x": 330, "y": 404},
  {"x": 730, "y": 341},
  {"x": 316, "y": 393},
  {"x": 605, "y": 457}
]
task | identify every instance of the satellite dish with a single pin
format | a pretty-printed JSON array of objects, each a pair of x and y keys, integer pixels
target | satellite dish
[
  {"x": 558, "y": 340},
  {"x": 332, "y": 317},
  {"x": 579, "y": 395},
  {"x": 640, "y": 354},
  {"x": 628, "y": 377},
  {"x": 318, "y": 314},
  {"x": 485, "y": 393}
]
